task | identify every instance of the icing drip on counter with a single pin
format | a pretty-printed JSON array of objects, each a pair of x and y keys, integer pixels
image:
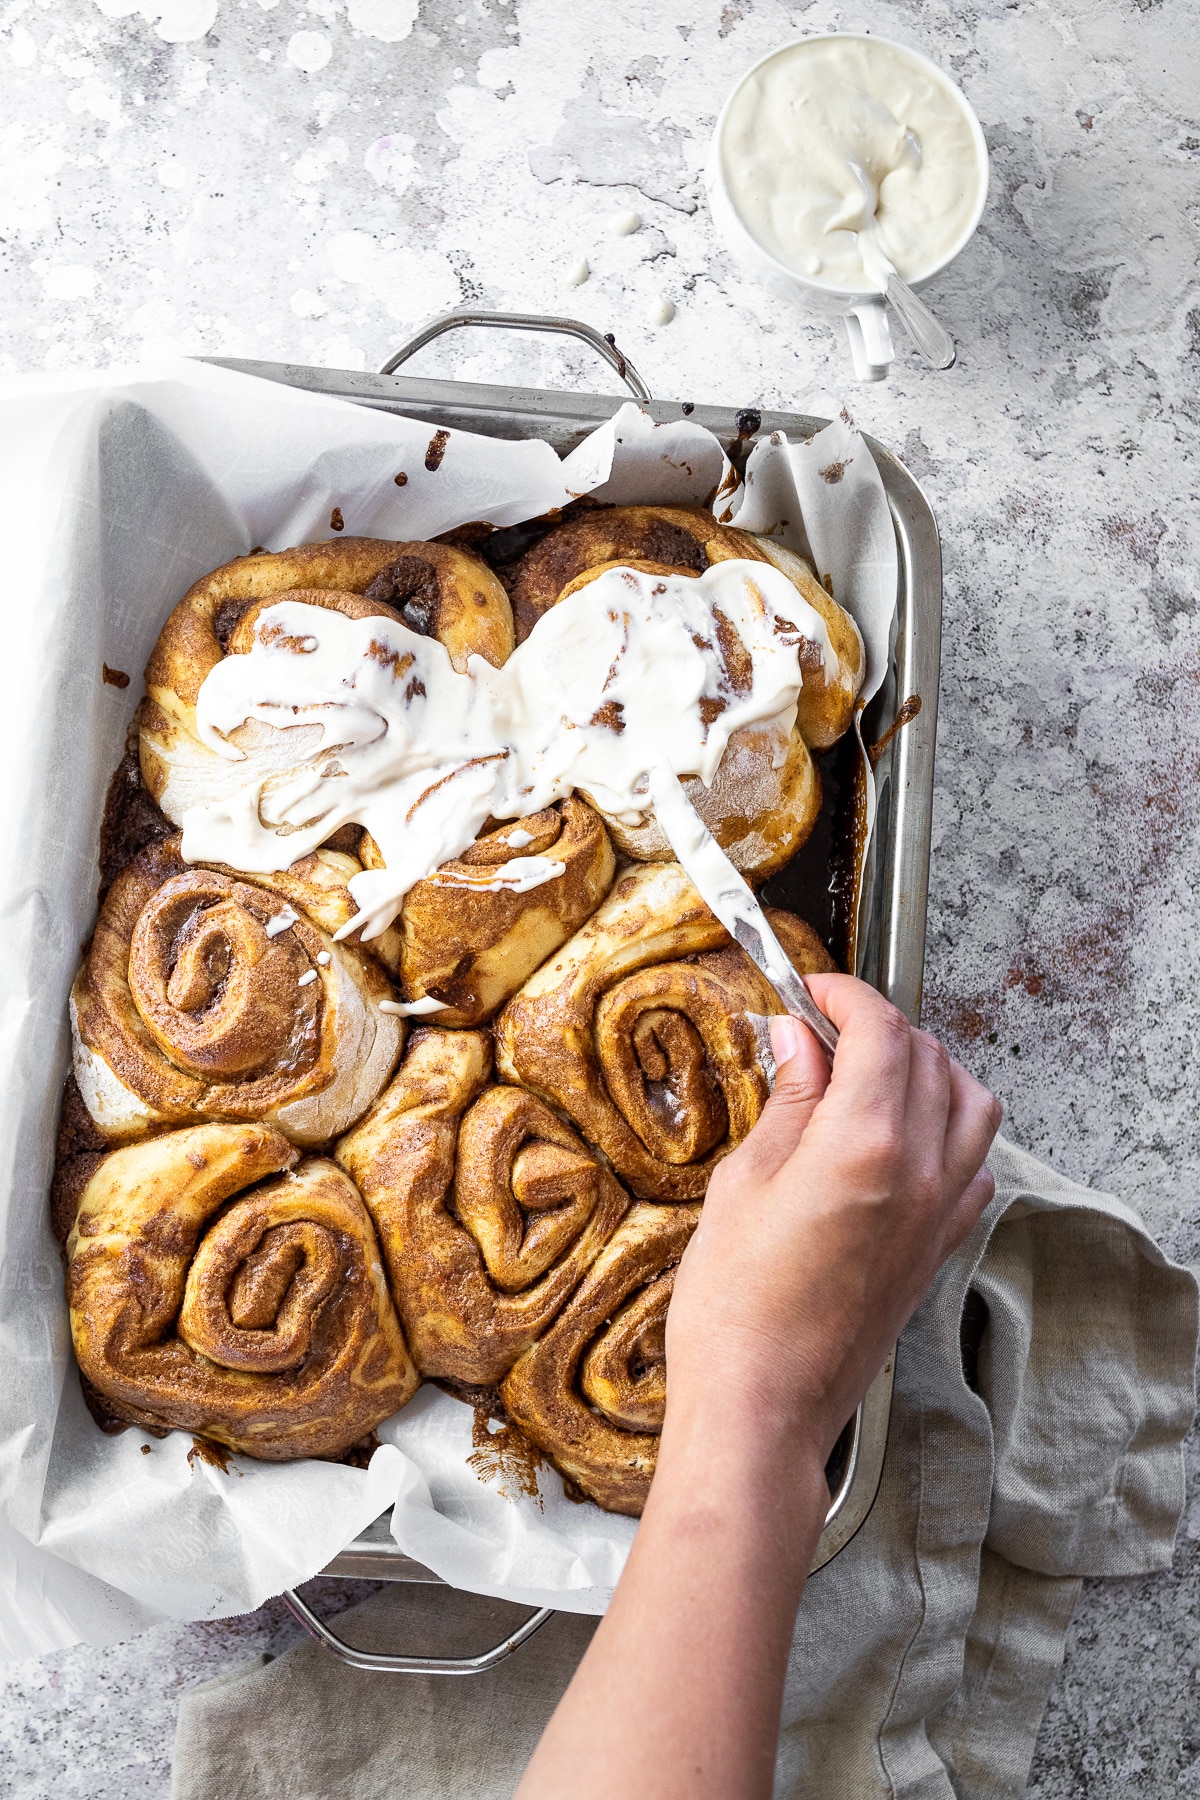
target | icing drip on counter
[{"x": 631, "y": 682}]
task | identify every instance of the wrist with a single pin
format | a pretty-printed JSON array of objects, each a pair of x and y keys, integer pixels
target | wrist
[
  {"x": 747, "y": 1482},
  {"x": 777, "y": 1404}
]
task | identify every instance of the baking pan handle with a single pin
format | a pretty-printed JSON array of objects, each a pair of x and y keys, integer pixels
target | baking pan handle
[
  {"x": 605, "y": 345},
  {"x": 378, "y": 1663}
]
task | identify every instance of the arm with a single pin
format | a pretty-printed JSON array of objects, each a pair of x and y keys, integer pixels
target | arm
[{"x": 820, "y": 1234}]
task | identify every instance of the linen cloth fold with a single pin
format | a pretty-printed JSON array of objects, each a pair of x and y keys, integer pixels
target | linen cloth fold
[{"x": 1043, "y": 1390}]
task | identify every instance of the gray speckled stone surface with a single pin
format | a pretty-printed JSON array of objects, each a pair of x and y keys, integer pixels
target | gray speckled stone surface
[{"x": 306, "y": 181}]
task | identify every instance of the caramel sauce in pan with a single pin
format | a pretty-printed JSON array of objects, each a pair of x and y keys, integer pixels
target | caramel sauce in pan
[
  {"x": 820, "y": 883},
  {"x": 131, "y": 819},
  {"x": 500, "y": 1450}
]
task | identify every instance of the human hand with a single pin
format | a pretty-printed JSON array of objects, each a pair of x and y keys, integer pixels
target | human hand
[
  {"x": 818, "y": 1237},
  {"x": 822, "y": 1232}
]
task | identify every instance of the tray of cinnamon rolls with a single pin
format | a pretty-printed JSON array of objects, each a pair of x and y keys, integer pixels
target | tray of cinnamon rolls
[{"x": 406, "y": 1040}]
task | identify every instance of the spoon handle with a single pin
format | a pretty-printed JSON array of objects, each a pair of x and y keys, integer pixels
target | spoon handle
[{"x": 932, "y": 340}]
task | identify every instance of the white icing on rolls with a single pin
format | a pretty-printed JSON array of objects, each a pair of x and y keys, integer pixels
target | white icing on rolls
[{"x": 630, "y": 682}]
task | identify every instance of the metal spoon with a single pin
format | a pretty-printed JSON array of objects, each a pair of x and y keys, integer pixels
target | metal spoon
[{"x": 931, "y": 338}]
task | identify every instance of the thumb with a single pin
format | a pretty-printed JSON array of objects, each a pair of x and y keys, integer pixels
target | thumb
[{"x": 801, "y": 1080}]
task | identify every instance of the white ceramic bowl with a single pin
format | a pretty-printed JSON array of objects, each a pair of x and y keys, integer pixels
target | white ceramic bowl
[{"x": 864, "y": 312}]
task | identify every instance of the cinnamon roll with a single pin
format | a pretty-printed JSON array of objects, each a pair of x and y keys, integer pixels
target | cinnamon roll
[
  {"x": 766, "y": 795},
  {"x": 468, "y": 940},
  {"x": 438, "y": 590},
  {"x": 763, "y": 803},
  {"x": 206, "y": 1296},
  {"x": 488, "y": 1206},
  {"x": 591, "y": 1393},
  {"x": 208, "y": 996},
  {"x": 639, "y": 1029},
  {"x": 686, "y": 540}
]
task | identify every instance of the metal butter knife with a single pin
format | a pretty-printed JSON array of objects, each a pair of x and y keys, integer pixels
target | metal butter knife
[
  {"x": 731, "y": 899},
  {"x": 787, "y": 984}
]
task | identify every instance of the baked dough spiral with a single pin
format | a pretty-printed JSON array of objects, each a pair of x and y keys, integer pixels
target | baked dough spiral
[
  {"x": 591, "y": 1393},
  {"x": 766, "y": 795},
  {"x": 207, "y": 996},
  {"x": 207, "y": 1297},
  {"x": 470, "y": 942},
  {"x": 638, "y": 1030},
  {"x": 488, "y": 1207},
  {"x": 686, "y": 540},
  {"x": 438, "y": 590}
]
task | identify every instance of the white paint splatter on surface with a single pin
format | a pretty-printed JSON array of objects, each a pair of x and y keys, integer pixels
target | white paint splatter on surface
[
  {"x": 390, "y": 161},
  {"x": 22, "y": 47},
  {"x": 174, "y": 21},
  {"x": 624, "y": 224},
  {"x": 387, "y": 20},
  {"x": 69, "y": 281},
  {"x": 310, "y": 51}
]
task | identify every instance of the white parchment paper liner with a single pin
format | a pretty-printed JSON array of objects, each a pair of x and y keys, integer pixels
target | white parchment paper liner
[{"x": 119, "y": 492}]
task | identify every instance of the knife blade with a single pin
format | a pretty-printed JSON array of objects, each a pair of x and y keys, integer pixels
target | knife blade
[{"x": 783, "y": 978}]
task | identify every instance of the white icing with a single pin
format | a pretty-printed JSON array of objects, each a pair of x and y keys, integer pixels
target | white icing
[
  {"x": 115, "y": 1108},
  {"x": 389, "y": 736},
  {"x": 323, "y": 958},
  {"x": 836, "y": 141},
  {"x": 280, "y": 922},
  {"x": 519, "y": 874},
  {"x": 308, "y": 975},
  {"x": 517, "y": 840},
  {"x": 367, "y": 1050},
  {"x": 413, "y": 1009},
  {"x": 714, "y": 876}
]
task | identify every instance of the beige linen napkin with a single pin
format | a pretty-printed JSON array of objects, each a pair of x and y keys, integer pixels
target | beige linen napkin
[{"x": 1042, "y": 1392}]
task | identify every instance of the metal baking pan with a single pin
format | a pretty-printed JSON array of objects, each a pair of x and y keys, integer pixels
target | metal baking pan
[{"x": 890, "y": 948}]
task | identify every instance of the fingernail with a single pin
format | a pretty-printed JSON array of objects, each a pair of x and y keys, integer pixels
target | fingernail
[{"x": 785, "y": 1037}]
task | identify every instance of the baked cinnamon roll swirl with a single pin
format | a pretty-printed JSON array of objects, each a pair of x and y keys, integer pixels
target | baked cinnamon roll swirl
[
  {"x": 207, "y": 996},
  {"x": 640, "y": 1030},
  {"x": 763, "y": 803},
  {"x": 488, "y": 1206},
  {"x": 206, "y": 1296},
  {"x": 683, "y": 539},
  {"x": 469, "y": 940},
  {"x": 592, "y": 1392},
  {"x": 766, "y": 795},
  {"x": 686, "y": 540},
  {"x": 437, "y": 590}
]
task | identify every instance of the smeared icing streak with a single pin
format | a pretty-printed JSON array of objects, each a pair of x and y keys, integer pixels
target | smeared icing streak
[
  {"x": 518, "y": 875},
  {"x": 631, "y": 682},
  {"x": 413, "y": 1009}
]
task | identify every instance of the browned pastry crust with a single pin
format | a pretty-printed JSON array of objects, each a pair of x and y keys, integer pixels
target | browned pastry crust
[
  {"x": 471, "y": 945},
  {"x": 686, "y": 540},
  {"x": 758, "y": 813},
  {"x": 679, "y": 539},
  {"x": 825, "y": 708},
  {"x": 766, "y": 795},
  {"x": 193, "y": 1004},
  {"x": 256, "y": 1315},
  {"x": 638, "y": 1031},
  {"x": 591, "y": 1393},
  {"x": 488, "y": 1206},
  {"x": 438, "y": 590}
]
